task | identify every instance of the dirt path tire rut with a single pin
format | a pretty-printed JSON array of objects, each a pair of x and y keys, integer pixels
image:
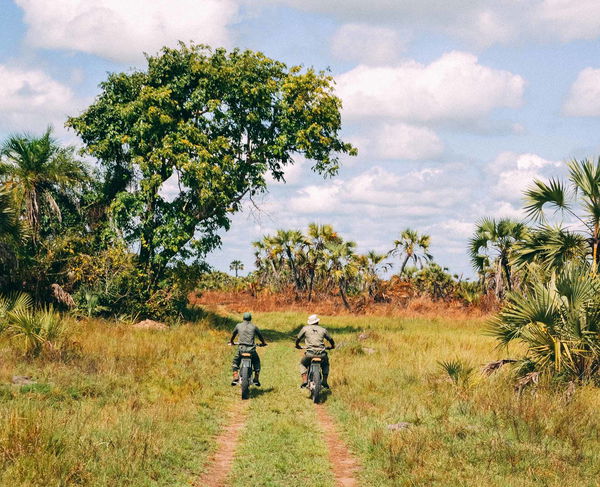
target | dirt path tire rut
[
  {"x": 343, "y": 463},
  {"x": 220, "y": 463}
]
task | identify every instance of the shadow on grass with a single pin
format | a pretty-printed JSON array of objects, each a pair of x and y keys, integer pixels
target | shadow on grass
[
  {"x": 257, "y": 392},
  {"x": 226, "y": 323},
  {"x": 216, "y": 321},
  {"x": 278, "y": 336}
]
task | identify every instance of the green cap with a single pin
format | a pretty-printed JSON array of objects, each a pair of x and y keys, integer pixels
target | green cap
[{"x": 247, "y": 316}]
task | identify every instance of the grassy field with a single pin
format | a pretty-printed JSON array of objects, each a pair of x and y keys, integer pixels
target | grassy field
[
  {"x": 135, "y": 408},
  {"x": 141, "y": 408}
]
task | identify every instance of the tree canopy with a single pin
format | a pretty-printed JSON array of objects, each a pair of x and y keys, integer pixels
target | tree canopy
[{"x": 186, "y": 140}]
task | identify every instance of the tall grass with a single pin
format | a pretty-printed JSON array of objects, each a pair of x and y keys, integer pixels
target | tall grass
[{"x": 133, "y": 408}]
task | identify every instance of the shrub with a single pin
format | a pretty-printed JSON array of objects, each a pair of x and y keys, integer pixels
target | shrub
[{"x": 558, "y": 320}]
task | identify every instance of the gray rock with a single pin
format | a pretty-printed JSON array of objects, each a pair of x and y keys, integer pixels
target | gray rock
[
  {"x": 22, "y": 380},
  {"x": 368, "y": 350},
  {"x": 399, "y": 426}
]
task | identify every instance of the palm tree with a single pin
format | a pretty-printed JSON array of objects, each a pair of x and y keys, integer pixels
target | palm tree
[
  {"x": 558, "y": 320},
  {"x": 290, "y": 241},
  {"x": 340, "y": 266},
  {"x": 9, "y": 223},
  {"x": 370, "y": 265},
  {"x": 494, "y": 239},
  {"x": 38, "y": 169},
  {"x": 318, "y": 237},
  {"x": 412, "y": 246},
  {"x": 550, "y": 246},
  {"x": 579, "y": 198},
  {"x": 236, "y": 265}
]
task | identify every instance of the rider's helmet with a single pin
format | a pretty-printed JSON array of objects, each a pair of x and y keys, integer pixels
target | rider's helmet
[
  {"x": 247, "y": 316},
  {"x": 312, "y": 320}
]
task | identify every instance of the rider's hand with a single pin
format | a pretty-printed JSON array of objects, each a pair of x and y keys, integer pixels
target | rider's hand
[{"x": 230, "y": 344}]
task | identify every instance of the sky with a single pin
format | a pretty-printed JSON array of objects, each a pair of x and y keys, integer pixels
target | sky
[{"x": 455, "y": 106}]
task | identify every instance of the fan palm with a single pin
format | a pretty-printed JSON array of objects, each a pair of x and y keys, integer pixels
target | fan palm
[
  {"x": 236, "y": 265},
  {"x": 38, "y": 168},
  {"x": 9, "y": 223},
  {"x": 290, "y": 241},
  {"x": 413, "y": 246},
  {"x": 340, "y": 265},
  {"x": 551, "y": 246},
  {"x": 579, "y": 197},
  {"x": 495, "y": 239},
  {"x": 318, "y": 237},
  {"x": 558, "y": 319}
]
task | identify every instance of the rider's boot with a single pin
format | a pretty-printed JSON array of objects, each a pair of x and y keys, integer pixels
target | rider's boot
[
  {"x": 324, "y": 383},
  {"x": 236, "y": 378},
  {"x": 256, "y": 381},
  {"x": 304, "y": 381}
]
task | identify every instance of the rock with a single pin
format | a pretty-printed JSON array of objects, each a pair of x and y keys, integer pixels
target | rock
[
  {"x": 363, "y": 336},
  {"x": 398, "y": 426},
  {"x": 368, "y": 350},
  {"x": 150, "y": 325},
  {"x": 22, "y": 380}
]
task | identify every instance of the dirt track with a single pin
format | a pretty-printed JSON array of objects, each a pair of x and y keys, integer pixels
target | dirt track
[
  {"x": 222, "y": 460},
  {"x": 343, "y": 463}
]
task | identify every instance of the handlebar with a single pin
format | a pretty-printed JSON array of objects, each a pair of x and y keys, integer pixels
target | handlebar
[
  {"x": 305, "y": 348},
  {"x": 237, "y": 343}
]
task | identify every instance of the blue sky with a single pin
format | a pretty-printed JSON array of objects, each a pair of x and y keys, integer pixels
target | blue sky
[{"x": 455, "y": 106}]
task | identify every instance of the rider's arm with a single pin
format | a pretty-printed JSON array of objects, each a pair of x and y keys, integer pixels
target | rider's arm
[
  {"x": 329, "y": 339},
  {"x": 300, "y": 337},
  {"x": 233, "y": 335},
  {"x": 260, "y": 337}
]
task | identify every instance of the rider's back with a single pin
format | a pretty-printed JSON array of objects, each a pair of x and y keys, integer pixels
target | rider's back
[{"x": 314, "y": 338}]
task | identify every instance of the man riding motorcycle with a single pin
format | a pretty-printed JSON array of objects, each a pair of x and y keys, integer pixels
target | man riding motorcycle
[
  {"x": 246, "y": 331},
  {"x": 314, "y": 337}
]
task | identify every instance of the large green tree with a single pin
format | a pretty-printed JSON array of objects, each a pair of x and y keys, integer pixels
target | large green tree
[{"x": 212, "y": 125}]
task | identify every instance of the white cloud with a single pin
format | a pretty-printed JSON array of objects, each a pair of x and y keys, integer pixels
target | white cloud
[
  {"x": 31, "y": 100},
  {"x": 482, "y": 22},
  {"x": 122, "y": 30},
  {"x": 403, "y": 141},
  {"x": 454, "y": 88},
  {"x": 379, "y": 193},
  {"x": 367, "y": 44},
  {"x": 583, "y": 99},
  {"x": 511, "y": 174},
  {"x": 571, "y": 19}
]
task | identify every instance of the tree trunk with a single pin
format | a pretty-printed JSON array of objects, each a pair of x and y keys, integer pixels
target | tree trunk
[
  {"x": 343, "y": 294},
  {"x": 311, "y": 273},
  {"x": 293, "y": 267},
  {"x": 506, "y": 268},
  {"x": 404, "y": 264}
]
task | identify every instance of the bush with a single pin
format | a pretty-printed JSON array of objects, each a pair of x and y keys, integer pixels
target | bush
[
  {"x": 557, "y": 318},
  {"x": 32, "y": 329}
]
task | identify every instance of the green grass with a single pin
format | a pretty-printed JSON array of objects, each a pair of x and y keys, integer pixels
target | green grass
[
  {"x": 477, "y": 433},
  {"x": 282, "y": 443},
  {"x": 141, "y": 408}
]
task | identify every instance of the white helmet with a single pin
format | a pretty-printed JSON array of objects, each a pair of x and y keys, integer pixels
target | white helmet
[{"x": 313, "y": 320}]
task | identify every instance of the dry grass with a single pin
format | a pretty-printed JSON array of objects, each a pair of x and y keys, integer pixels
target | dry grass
[
  {"x": 133, "y": 408},
  {"x": 264, "y": 301}
]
